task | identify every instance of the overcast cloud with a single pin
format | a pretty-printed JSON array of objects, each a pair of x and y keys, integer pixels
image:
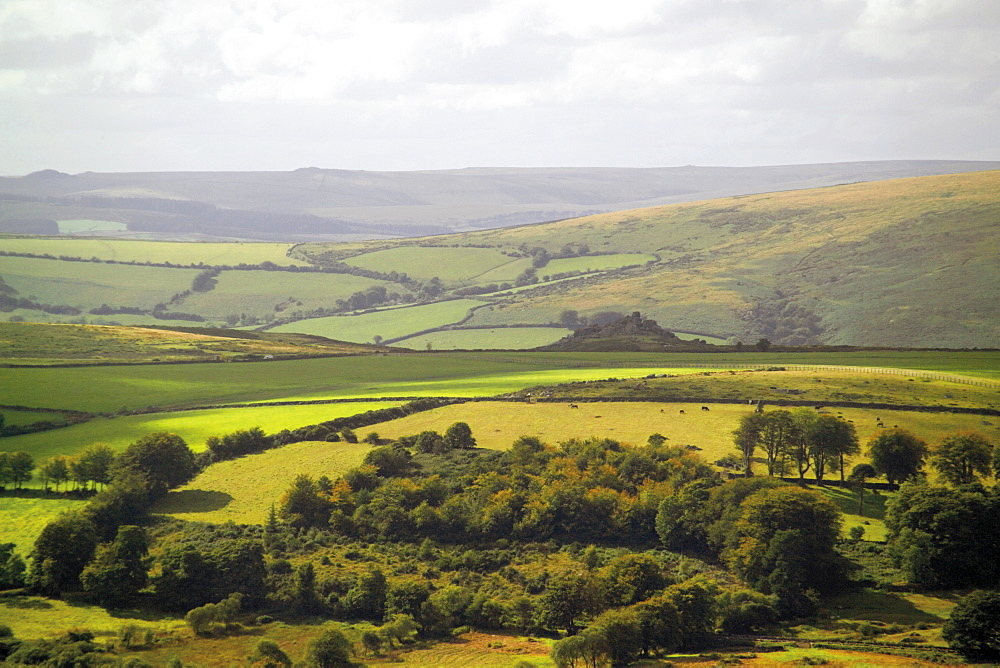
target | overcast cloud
[{"x": 158, "y": 85}]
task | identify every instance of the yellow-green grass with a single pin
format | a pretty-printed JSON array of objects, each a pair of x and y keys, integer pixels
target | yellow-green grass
[
  {"x": 496, "y": 424},
  {"x": 274, "y": 292},
  {"x": 686, "y": 336},
  {"x": 907, "y": 609},
  {"x": 874, "y": 511},
  {"x": 176, "y": 252},
  {"x": 47, "y": 343},
  {"x": 79, "y": 225},
  {"x": 32, "y": 617},
  {"x": 243, "y": 490},
  {"x": 422, "y": 262},
  {"x": 389, "y": 324},
  {"x": 22, "y": 519},
  {"x": 15, "y": 417},
  {"x": 802, "y": 656},
  {"x": 88, "y": 285},
  {"x": 594, "y": 263},
  {"x": 513, "y": 338},
  {"x": 124, "y": 319},
  {"x": 193, "y": 426}
]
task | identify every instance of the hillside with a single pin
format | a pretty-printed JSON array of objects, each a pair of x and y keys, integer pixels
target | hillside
[
  {"x": 312, "y": 204},
  {"x": 904, "y": 263},
  {"x": 908, "y": 262},
  {"x": 37, "y": 343}
]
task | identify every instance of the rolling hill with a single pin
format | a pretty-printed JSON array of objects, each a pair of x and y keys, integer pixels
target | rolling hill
[
  {"x": 341, "y": 205},
  {"x": 911, "y": 262}
]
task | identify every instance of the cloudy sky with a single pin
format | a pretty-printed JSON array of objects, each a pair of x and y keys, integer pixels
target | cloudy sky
[{"x": 133, "y": 85}]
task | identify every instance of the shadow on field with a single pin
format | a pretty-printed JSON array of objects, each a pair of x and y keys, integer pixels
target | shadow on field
[
  {"x": 193, "y": 501},
  {"x": 24, "y": 603},
  {"x": 869, "y": 605}
]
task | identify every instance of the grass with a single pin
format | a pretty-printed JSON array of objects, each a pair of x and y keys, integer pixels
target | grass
[
  {"x": 242, "y": 490},
  {"x": 511, "y": 338},
  {"x": 451, "y": 265},
  {"x": 37, "y": 343},
  {"x": 389, "y": 324},
  {"x": 276, "y": 293},
  {"x": 16, "y": 417},
  {"x": 88, "y": 225},
  {"x": 23, "y": 518},
  {"x": 33, "y": 617},
  {"x": 88, "y": 285},
  {"x": 594, "y": 262},
  {"x": 193, "y": 426},
  {"x": 847, "y": 501},
  {"x": 125, "y": 250}
]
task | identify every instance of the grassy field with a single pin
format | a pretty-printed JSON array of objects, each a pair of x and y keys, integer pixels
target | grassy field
[
  {"x": 389, "y": 324},
  {"x": 22, "y": 519},
  {"x": 35, "y": 343},
  {"x": 451, "y": 265},
  {"x": 512, "y": 338},
  {"x": 33, "y": 617},
  {"x": 594, "y": 262},
  {"x": 496, "y": 424},
  {"x": 242, "y": 490},
  {"x": 88, "y": 225},
  {"x": 88, "y": 285},
  {"x": 176, "y": 252},
  {"x": 193, "y": 426}
]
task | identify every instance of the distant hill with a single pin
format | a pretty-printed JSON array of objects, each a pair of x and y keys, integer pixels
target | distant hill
[{"x": 313, "y": 204}]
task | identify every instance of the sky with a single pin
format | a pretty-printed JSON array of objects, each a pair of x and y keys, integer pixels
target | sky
[{"x": 168, "y": 85}]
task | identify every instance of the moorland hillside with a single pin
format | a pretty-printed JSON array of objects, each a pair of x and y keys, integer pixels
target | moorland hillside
[{"x": 339, "y": 205}]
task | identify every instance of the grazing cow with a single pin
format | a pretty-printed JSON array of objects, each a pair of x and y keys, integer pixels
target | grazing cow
[
  {"x": 597, "y": 416},
  {"x": 704, "y": 408},
  {"x": 682, "y": 411},
  {"x": 661, "y": 410},
  {"x": 573, "y": 406}
]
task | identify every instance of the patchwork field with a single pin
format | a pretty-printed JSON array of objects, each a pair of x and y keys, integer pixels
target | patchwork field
[
  {"x": 510, "y": 338},
  {"x": 451, "y": 265},
  {"x": 242, "y": 490},
  {"x": 388, "y": 324},
  {"x": 193, "y": 426},
  {"x": 124, "y": 250}
]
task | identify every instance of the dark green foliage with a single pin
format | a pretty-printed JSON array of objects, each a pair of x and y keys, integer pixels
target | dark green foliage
[
  {"x": 11, "y": 568},
  {"x": 937, "y": 535},
  {"x": 268, "y": 653},
  {"x": 366, "y": 599},
  {"x": 164, "y": 459},
  {"x": 92, "y": 465},
  {"x": 303, "y": 505},
  {"x": 406, "y": 598},
  {"x": 125, "y": 502},
  {"x": 238, "y": 443},
  {"x": 897, "y": 454},
  {"x": 459, "y": 437},
  {"x": 430, "y": 442},
  {"x": 389, "y": 460},
  {"x": 747, "y": 438},
  {"x": 330, "y": 650},
  {"x": 209, "y": 570},
  {"x": 119, "y": 569},
  {"x": 214, "y": 616},
  {"x": 565, "y": 598},
  {"x": 961, "y": 458},
  {"x": 632, "y": 578},
  {"x": 305, "y": 599},
  {"x": 16, "y": 467},
  {"x": 974, "y": 626},
  {"x": 65, "y": 546}
]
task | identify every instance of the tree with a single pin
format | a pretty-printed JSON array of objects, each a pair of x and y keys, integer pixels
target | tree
[
  {"x": 430, "y": 442},
  {"x": 830, "y": 439},
  {"x": 366, "y": 599},
  {"x": 19, "y": 465},
  {"x": 165, "y": 460},
  {"x": 897, "y": 454},
  {"x": 748, "y": 437},
  {"x": 330, "y": 650},
  {"x": 763, "y": 345},
  {"x": 93, "y": 465},
  {"x": 962, "y": 457},
  {"x": 269, "y": 655},
  {"x": 564, "y": 599},
  {"x": 55, "y": 470},
  {"x": 459, "y": 437},
  {"x": 302, "y": 504},
  {"x": 11, "y": 567},
  {"x": 859, "y": 474},
  {"x": 776, "y": 436},
  {"x": 800, "y": 445},
  {"x": 61, "y": 551},
  {"x": 974, "y": 626},
  {"x": 119, "y": 569},
  {"x": 620, "y": 629},
  {"x": 306, "y": 600}
]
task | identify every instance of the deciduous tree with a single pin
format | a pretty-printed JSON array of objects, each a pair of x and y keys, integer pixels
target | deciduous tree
[
  {"x": 897, "y": 454},
  {"x": 961, "y": 458}
]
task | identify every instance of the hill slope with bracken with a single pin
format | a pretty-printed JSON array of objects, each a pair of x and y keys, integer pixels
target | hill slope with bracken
[{"x": 907, "y": 262}]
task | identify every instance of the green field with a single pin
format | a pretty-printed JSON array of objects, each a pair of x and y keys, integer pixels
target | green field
[
  {"x": 193, "y": 426},
  {"x": 451, "y": 265},
  {"x": 88, "y": 225},
  {"x": 277, "y": 293},
  {"x": 176, "y": 252},
  {"x": 22, "y": 519},
  {"x": 88, "y": 285},
  {"x": 511, "y": 338},
  {"x": 389, "y": 324},
  {"x": 243, "y": 490}
]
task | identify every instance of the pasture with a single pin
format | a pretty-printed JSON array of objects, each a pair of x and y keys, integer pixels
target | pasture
[
  {"x": 388, "y": 324},
  {"x": 33, "y": 617},
  {"x": 22, "y": 518},
  {"x": 176, "y": 252},
  {"x": 451, "y": 265},
  {"x": 275, "y": 293},
  {"x": 243, "y": 490},
  {"x": 88, "y": 285},
  {"x": 88, "y": 226},
  {"x": 510, "y": 338},
  {"x": 587, "y": 263},
  {"x": 193, "y": 426}
]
